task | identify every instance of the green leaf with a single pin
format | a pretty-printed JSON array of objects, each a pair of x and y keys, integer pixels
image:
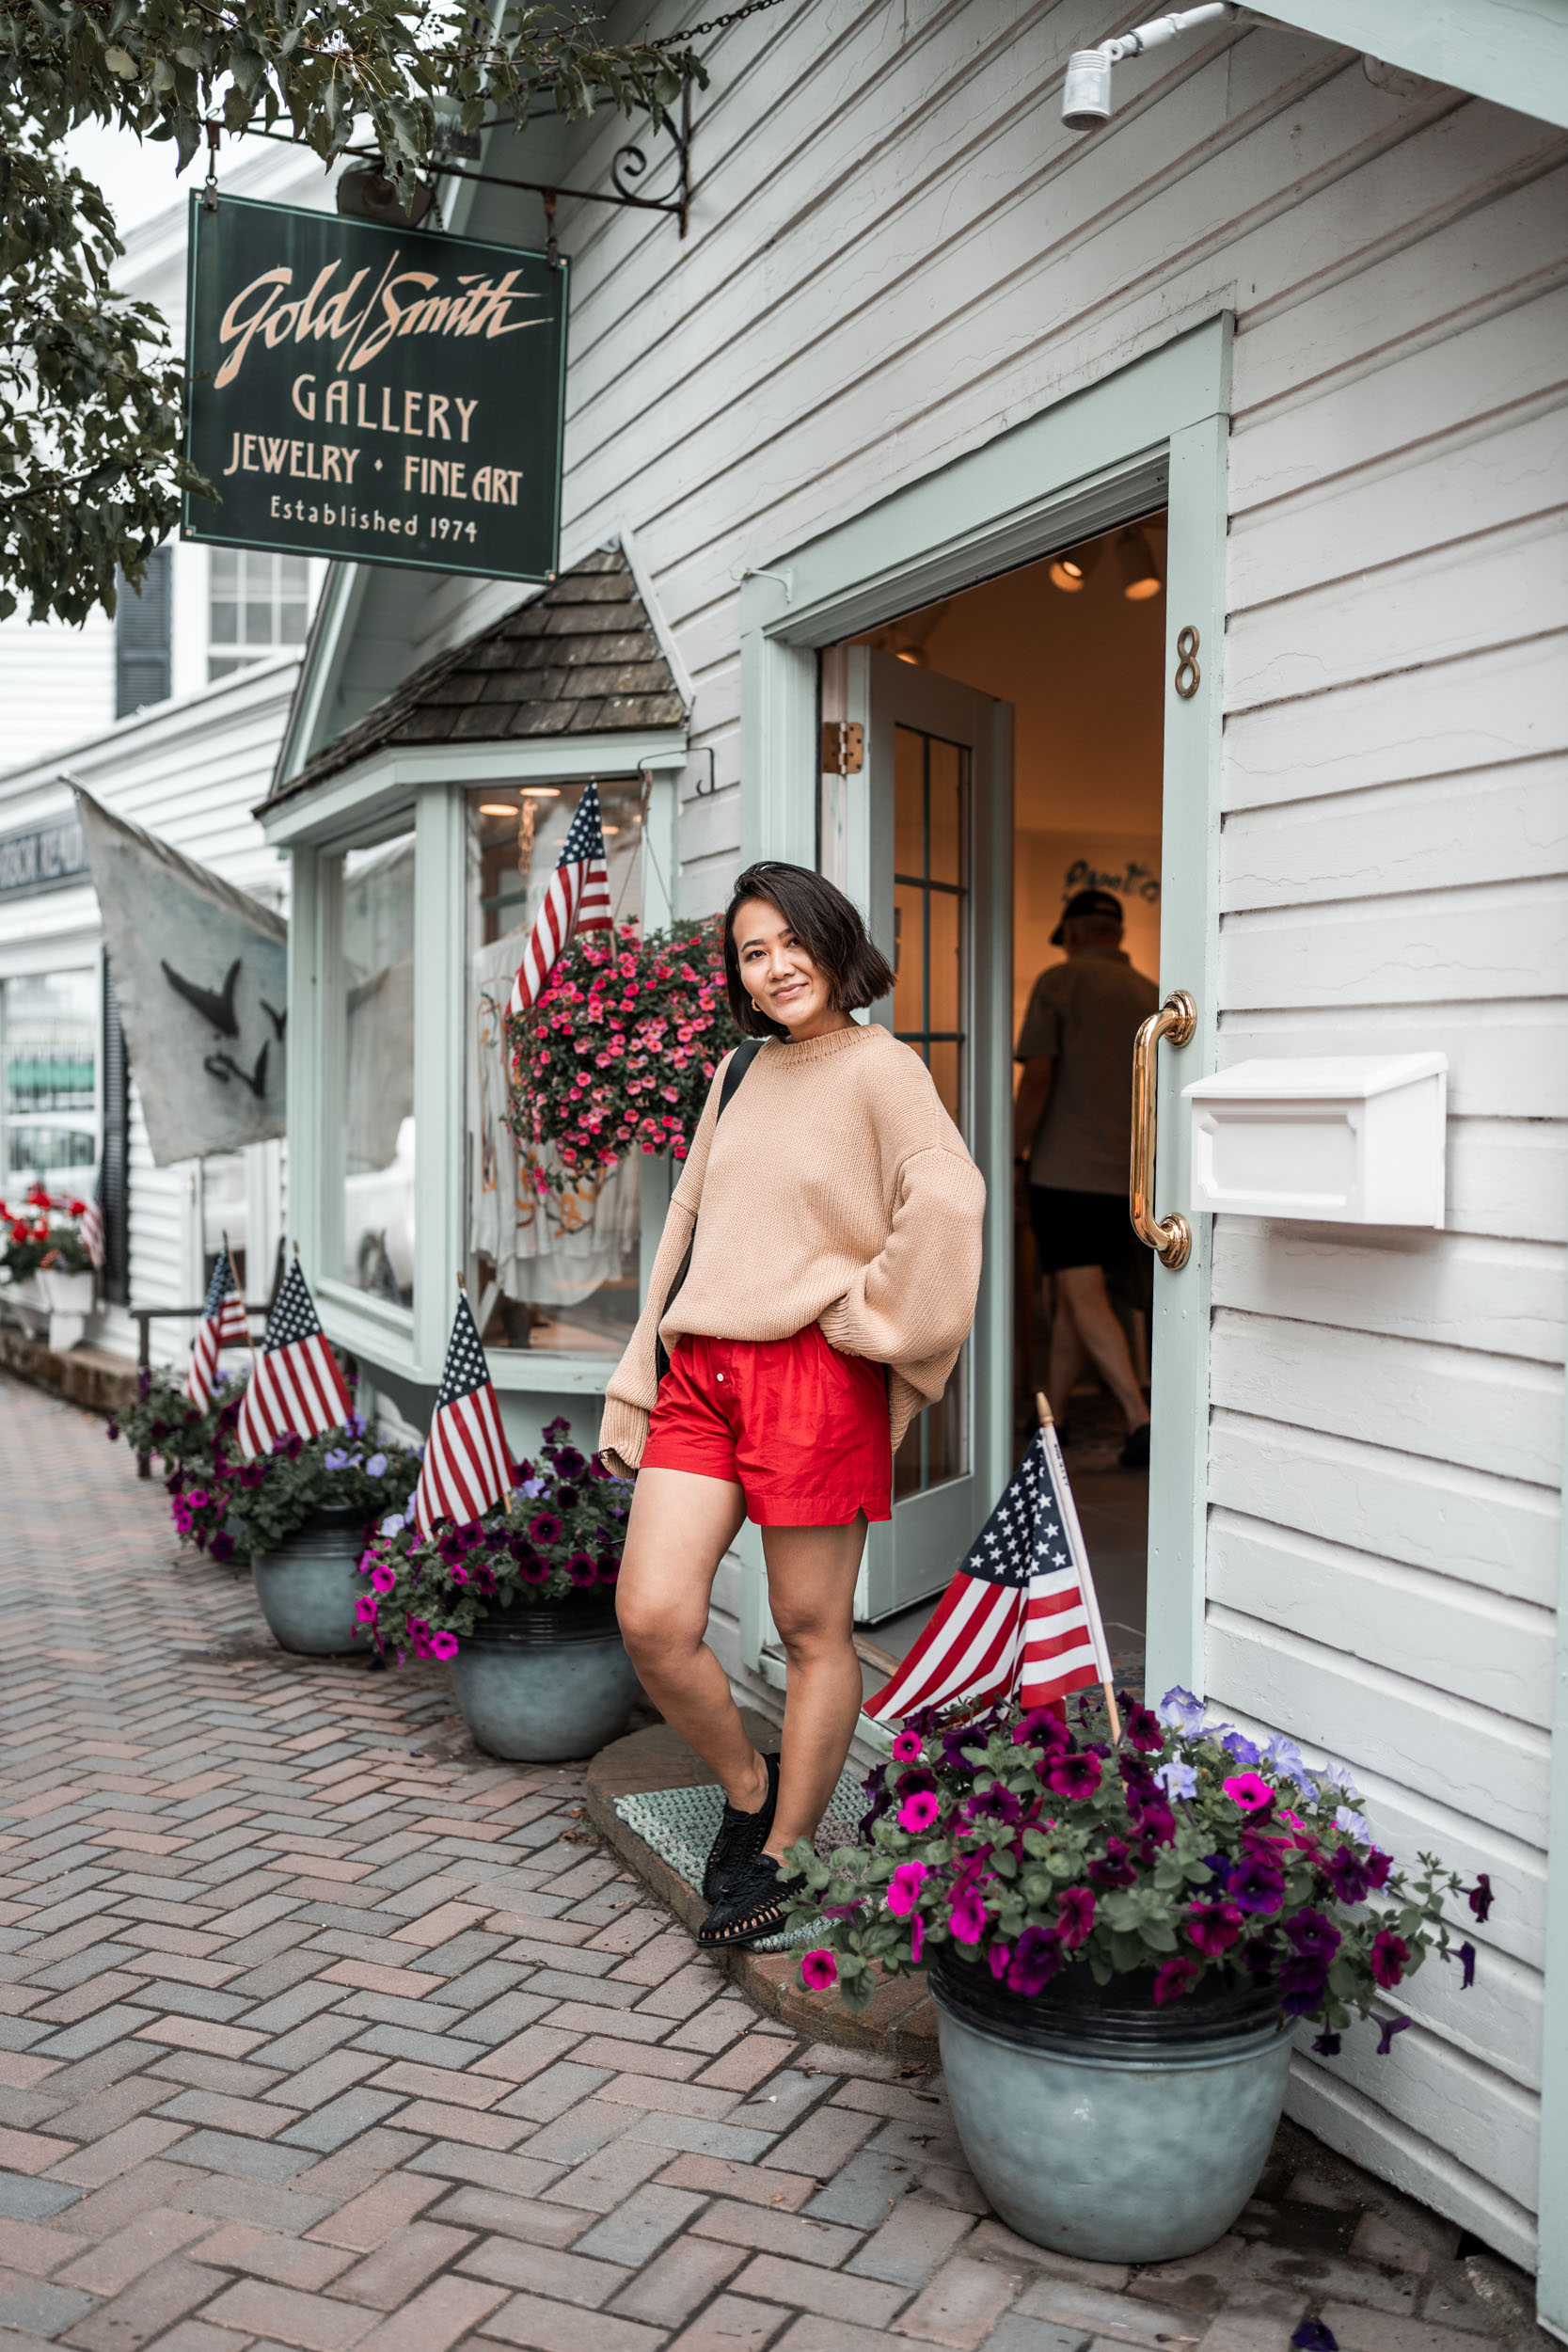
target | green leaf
[{"x": 121, "y": 62}]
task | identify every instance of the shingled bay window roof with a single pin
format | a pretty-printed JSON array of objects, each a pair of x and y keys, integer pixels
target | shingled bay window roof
[{"x": 580, "y": 658}]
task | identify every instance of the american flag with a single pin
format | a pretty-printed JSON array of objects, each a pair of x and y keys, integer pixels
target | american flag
[
  {"x": 296, "y": 1384},
  {"x": 1021, "y": 1615},
  {"x": 223, "y": 1325},
  {"x": 578, "y": 899},
  {"x": 92, "y": 1224},
  {"x": 467, "y": 1466}
]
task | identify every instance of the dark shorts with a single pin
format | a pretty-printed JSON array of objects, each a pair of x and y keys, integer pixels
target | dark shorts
[{"x": 1080, "y": 1229}]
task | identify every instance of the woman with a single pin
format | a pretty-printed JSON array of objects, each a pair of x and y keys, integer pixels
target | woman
[{"x": 831, "y": 1282}]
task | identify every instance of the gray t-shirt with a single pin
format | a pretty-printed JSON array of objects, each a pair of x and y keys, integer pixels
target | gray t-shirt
[{"x": 1082, "y": 1016}]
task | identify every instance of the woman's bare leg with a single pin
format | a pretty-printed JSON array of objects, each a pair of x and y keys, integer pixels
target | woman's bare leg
[
  {"x": 680, "y": 1528},
  {"x": 811, "y": 1590}
]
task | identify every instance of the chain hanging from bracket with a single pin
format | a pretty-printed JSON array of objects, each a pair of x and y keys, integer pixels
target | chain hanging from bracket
[{"x": 210, "y": 193}]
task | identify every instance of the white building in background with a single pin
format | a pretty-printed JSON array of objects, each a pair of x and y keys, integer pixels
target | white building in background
[{"x": 172, "y": 714}]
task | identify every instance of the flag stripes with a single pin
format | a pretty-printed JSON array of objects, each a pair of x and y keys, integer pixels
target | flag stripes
[
  {"x": 1021, "y": 1615},
  {"x": 295, "y": 1386},
  {"x": 575, "y": 899},
  {"x": 467, "y": 1463},
  {"x": 223, "y": 1325}
]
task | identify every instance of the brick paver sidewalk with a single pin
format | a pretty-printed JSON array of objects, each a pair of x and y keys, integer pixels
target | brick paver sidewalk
[{"x": 307, "y": 2040}]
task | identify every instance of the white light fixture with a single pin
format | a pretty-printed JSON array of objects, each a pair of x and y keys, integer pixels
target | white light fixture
[
  {"x": 1087, "y": 92},
  {"x": 498, "y": 809},
  {"x": 541, "y": 791}
]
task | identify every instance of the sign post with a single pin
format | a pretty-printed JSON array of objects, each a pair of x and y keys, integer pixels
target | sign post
[{"x": 381, "y": 394}]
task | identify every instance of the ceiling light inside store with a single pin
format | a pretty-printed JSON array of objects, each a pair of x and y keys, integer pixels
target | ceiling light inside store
[
  {"x": 1140, "y": 574},
  {"x": 498, "y": 809},
  {"x": 1069, "y": 573},
  {"x": 541, "y": 792},
  {"x": 914, "y": 655}
]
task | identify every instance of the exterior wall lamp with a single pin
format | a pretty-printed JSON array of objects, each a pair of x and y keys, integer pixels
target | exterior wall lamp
[{"x": 1087, "y": 92}]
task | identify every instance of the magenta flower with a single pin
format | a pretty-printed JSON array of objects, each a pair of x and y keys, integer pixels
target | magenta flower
[
  {"x": 1074, "y": 1776},
  {"x": 997, "y": 1959},
  {"x": 1377, "y": 1866},
  {"x": 918, "y": 1812},
  {"x": 818, "y": 1971},
  {"x": 364, "y": 1609},
  {"x": 443, "y": 1644},
  {"x": 1249, "y": 1790},
  {"x": 1173, "y": 1979},
  {"x": 1213, "y": 1927},
  {"x": 1075, "y": 1916},
  {"x": 904, "y": 1889},
  {"x": 967, "y": 1917},
  {"x": 1256, "y": 1885},
  {"x": 1387, "y": 1956},
  {"x": 1479, "y": 1898},
  {"x": 917, "y": 1938},
  {"x": 907, "y": 1747},
  {"x": 1144, "y": 1729}
]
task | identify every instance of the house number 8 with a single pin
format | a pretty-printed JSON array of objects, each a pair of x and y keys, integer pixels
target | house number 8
[{"x": 1188, "y": 675}]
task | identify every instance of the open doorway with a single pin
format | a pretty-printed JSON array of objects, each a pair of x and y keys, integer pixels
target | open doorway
[{"x": 1072, "y": 647}]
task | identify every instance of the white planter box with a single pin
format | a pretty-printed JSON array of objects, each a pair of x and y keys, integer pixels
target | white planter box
[
  {"x": 68, "y": 1298},
  {"x": 1344, "y": 1138}
]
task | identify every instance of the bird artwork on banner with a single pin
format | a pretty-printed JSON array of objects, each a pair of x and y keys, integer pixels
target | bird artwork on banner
[
  {"x": 576, "y": 899},
  {"x": 223, "y": 1324},
  {"x": 467, "y": 1464},
  {"x": 1021, "y": 1619},
  {"x": 296, "y": 1385}
]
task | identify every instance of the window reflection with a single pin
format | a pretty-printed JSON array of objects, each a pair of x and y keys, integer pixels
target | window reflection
[
  {"x": 553, "y": 1255},
  {"x": 374, "y": 1016},
  {"x": 51, "y": 1022}
]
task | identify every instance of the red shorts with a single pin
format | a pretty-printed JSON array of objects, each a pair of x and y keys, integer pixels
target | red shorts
[{"x": 801, "y": 1428}]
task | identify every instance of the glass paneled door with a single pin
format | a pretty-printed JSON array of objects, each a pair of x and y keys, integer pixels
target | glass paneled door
[{"x": 925, "y": 856}]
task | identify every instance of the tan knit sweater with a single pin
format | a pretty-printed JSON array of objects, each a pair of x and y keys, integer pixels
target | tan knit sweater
[{"x": 836, "y": 1190}]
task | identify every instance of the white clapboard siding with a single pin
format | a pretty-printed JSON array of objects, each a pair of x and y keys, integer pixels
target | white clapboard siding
[
  {"x": 1465, "y": 2113},
  {"x": 1473, "y": 714},
  {"x": 50, "y": 669},
  {"x": 1507, "y": 940},
  {"x": 1458, "y": 1404},
  {"x": 1505, "y": 1297},
  {"x": 1506, "y": 1062},
  {"x": 1377, "y": 1610},
  {"x": 1394, "y": 1505},
  {"x": 1399, "y": 838}
]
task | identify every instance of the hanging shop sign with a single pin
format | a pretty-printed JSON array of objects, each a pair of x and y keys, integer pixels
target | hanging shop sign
[
  {"x": 43, "y": 857},
  {"x": 384, "y": 394}
]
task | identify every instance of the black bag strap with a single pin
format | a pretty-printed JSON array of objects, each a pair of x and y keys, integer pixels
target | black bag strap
[{"x": 740, "y": 1061}]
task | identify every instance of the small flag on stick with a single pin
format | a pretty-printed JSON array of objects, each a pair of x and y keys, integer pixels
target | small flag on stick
[
  {"x": 93, "y": 1240},
  {"x": 467, "y": 1464},
  {"x": 223, "y": 1325},
  {"x": 1021, "y": 1615},
  {"x": 578, "y": 899},
  {"x": 296, "y": 1385}
]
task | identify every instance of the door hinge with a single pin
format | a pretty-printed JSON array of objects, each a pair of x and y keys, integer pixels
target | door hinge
[{"x": 842, "y": 747}]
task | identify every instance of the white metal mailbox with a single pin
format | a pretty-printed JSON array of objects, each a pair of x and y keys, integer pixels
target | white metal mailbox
[{"x": 1351, "y": 1138}]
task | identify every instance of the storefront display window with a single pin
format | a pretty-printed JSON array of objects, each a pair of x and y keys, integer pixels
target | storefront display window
[
  {"x": 49, "y": 1025},
  {"x": 370, "y": 1064},
  {"x": 553, "y": 1257}
]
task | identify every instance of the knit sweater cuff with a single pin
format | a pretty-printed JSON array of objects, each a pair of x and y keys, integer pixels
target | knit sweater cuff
[
  {"x": 836, "y": 1324},
  {"x": 622, "y": 1434}
]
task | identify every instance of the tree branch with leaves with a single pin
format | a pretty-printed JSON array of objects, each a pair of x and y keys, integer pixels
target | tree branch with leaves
[{"x": 91, "y": 397}]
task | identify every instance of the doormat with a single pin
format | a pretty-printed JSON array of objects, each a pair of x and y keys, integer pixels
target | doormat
[{"x": 680, "y": 1825}]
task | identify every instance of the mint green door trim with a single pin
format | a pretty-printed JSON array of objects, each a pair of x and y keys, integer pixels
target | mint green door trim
[
  {"x": 1156, "y": 428},
  {"x": 1551, "y": 2286}
]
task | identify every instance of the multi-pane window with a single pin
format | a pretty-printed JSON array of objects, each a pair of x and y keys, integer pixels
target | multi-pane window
[
  {"x": 370, "y": 1063},
  {"x": 49, "y": 1025},
  {"x": 257, "y": 605},
  {"x": 931, "y": 1009}
]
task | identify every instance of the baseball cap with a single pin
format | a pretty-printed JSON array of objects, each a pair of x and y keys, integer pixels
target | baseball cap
[{"x": 1085, "y": 902}]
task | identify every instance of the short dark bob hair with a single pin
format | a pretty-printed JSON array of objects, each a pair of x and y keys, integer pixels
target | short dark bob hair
[{"x": 828, "y": 926}]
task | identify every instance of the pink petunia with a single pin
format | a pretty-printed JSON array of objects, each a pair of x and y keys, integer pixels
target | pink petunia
[
  {"x": 907, "y": 1747},
  {"x": 904, "y": 1889},
  {"x": 1249, "y": 1790},
  {"x": 917, "y": 1938},
  {"x": 818, "y": 1971},
  {"x": 966, "y": 1918},
  {"x": 1075, "y": 1916},
  {"x": 1171, "y": 1982},
  {"x": 918, "y": 1812},
  {"x": 1387, "y": 1958},
  {"x": 364, "y": 1609}
]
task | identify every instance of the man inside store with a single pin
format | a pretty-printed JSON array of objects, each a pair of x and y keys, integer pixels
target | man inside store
[{"x": 1072, "y": 1135}]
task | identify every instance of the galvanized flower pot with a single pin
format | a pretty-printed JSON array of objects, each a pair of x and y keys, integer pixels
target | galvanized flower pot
[
  {"x": 538, "y": 1685},
  {"x": 309, "y": 1587},
  {"x": 1102, "y": 2126}
]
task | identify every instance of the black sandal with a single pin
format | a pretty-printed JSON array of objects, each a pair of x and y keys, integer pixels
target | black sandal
[
  {"x": 755, "y": 1904},
  {"x": 741, "y": 1837}
]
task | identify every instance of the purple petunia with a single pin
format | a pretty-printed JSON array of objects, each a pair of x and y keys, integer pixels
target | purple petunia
[
  {"x": 1466, "y": 1951},
  {"x": 1479, "y": 1898},
  {"x": 1312, "y": 2336},
  {"x": 1143, "y": 1729},
  {"x": 818, "y": 1971},
  {"x": 1173, "y": 1979},
  {"x": 1387, "y": 1958},
  {"x": 1313, "y": 1936},
  {"x": 1347, "y": 1875},
  {"x": 1256, "y": 1885},
  {"x": 1074, "y": 1776},
  {"x": 1181, "y": 1710},
  {"x": 1385, "y": 2039},
  {"x": 1036, "y": 1958},
  {"x": 1115, "y": 1868},
  {"x": 1075, "y": 1909},
  {"x": 1326, "y": 2045},
  {"x": 1303, "y": 1984},
  {"x": 1213, "y": 1927}
]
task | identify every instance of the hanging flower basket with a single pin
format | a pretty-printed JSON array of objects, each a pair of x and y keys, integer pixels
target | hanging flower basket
[{"x": 618, "y": 1052}]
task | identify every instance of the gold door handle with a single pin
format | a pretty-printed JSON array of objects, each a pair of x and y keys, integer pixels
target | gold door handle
[{"x": 1171, "y": 1236}]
